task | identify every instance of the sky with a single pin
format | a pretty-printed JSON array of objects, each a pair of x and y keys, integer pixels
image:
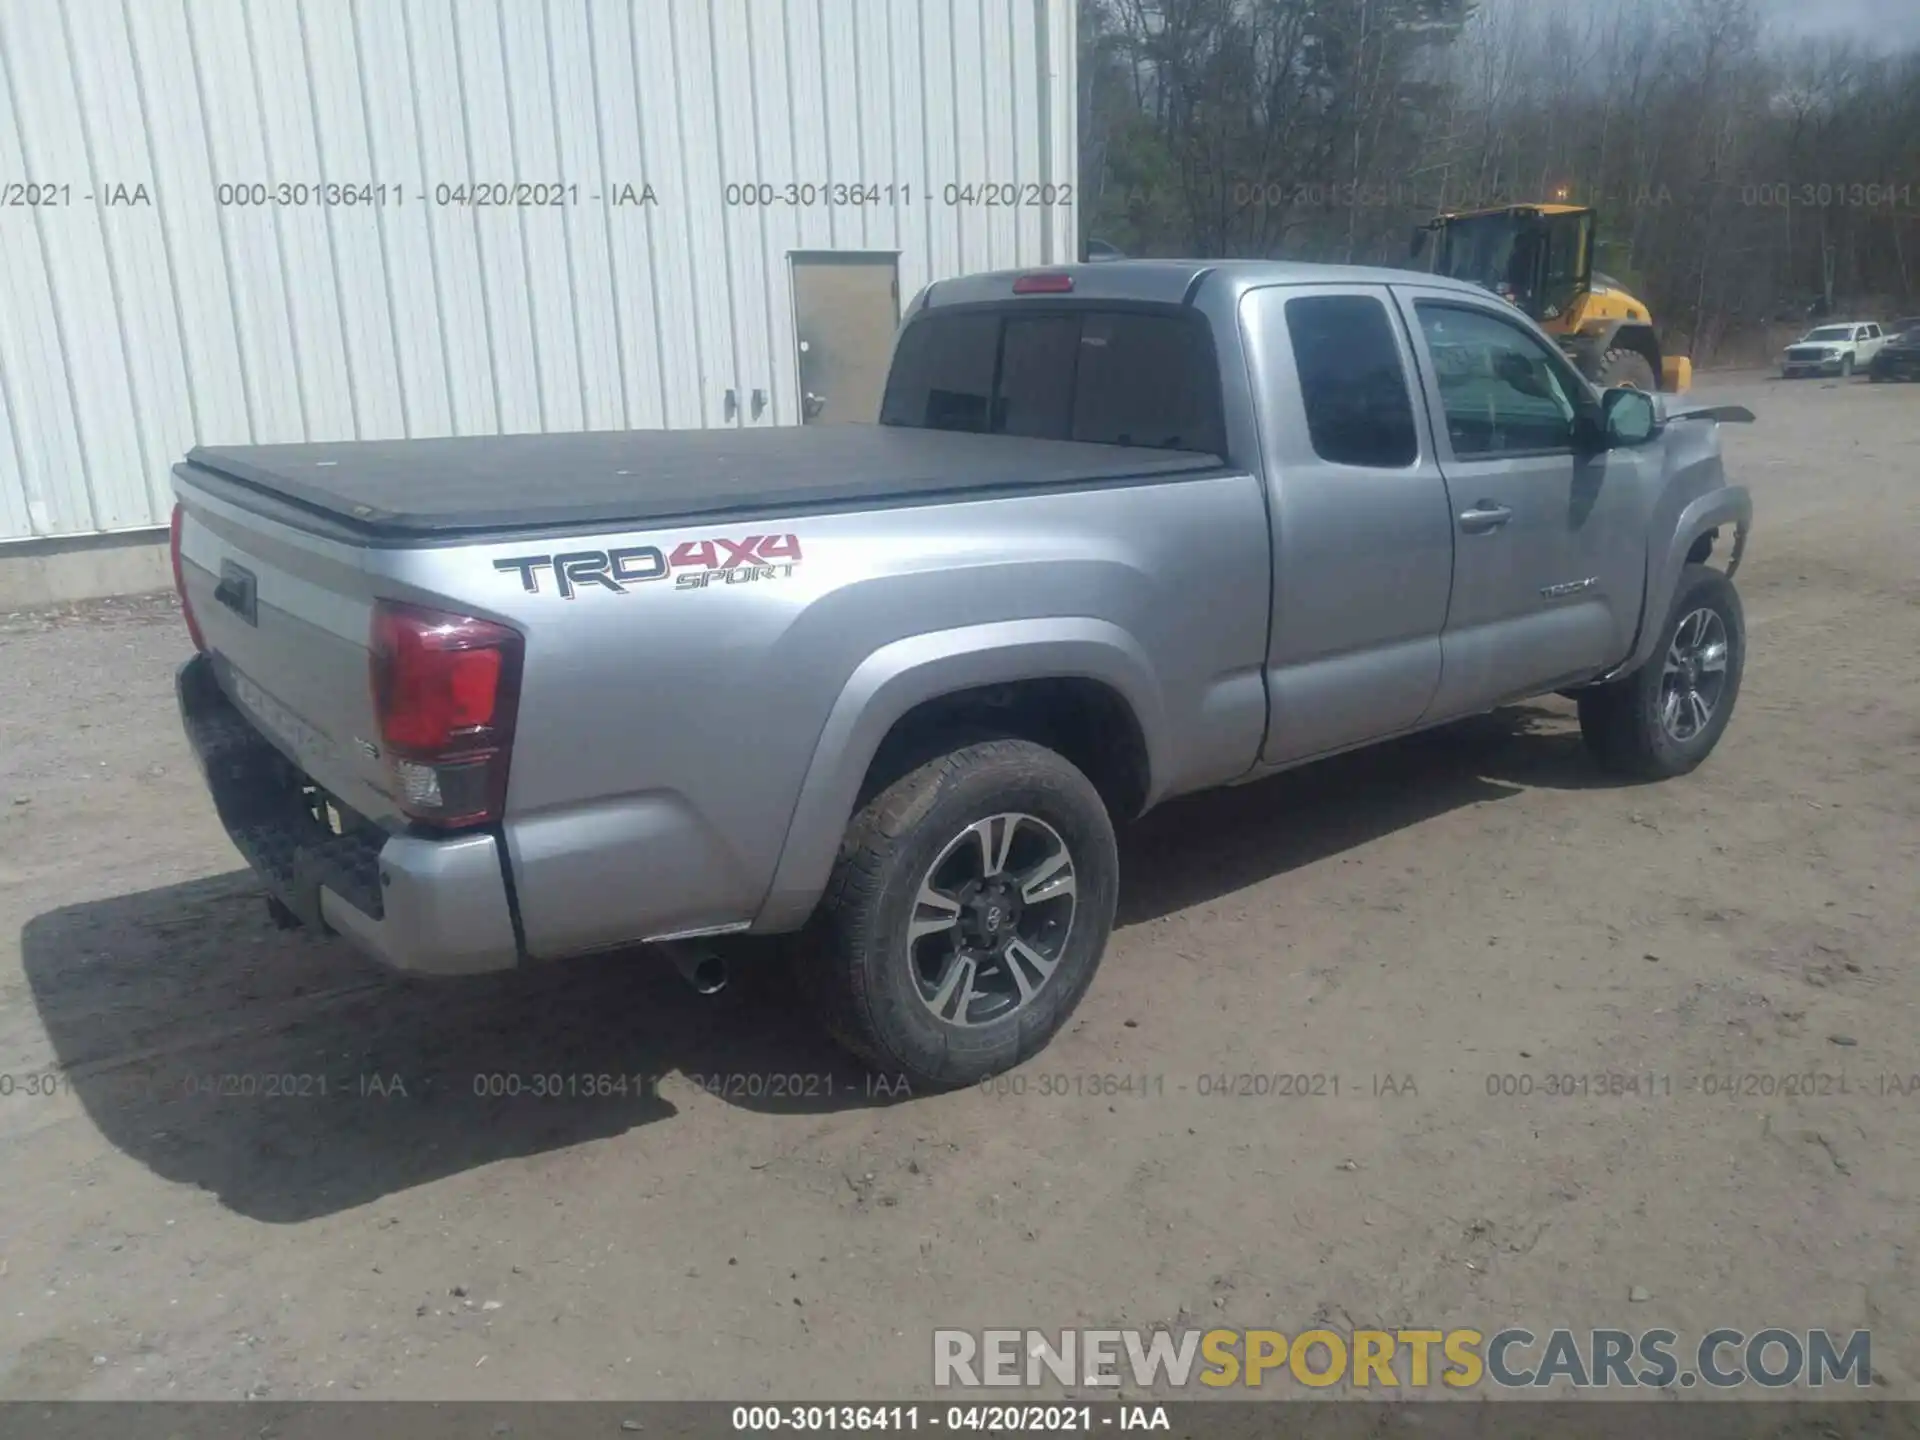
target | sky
[{"x": 1891, "y": 22}]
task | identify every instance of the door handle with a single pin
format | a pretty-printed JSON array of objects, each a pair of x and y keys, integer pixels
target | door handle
[{"x": 1483, "y": 517}]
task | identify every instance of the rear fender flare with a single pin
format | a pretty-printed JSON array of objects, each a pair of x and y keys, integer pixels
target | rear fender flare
[{"x": 909, "y": 672}]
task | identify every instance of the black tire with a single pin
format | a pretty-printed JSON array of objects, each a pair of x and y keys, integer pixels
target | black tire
[
  {"x": 1626, "y": 367},
  {"x": 855, "y": 963},
  {"x": 1622, "y": 723}
]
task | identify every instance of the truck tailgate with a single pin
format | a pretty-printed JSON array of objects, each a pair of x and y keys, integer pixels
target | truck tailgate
[{"x": 286, "y": 616}]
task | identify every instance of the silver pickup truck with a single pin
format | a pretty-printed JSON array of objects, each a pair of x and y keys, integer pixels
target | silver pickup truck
[{"x": 1124, "y": 531}]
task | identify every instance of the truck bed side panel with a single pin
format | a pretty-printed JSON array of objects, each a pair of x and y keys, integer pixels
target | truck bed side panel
[{"x": 666, "y": 728}]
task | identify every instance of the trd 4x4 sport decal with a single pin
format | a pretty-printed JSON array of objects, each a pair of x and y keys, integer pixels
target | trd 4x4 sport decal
[{"x": 694, "y": 565}]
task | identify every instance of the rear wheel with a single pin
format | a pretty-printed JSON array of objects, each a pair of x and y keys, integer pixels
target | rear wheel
[
  {"x": 1666, "y": 717},
  {"x": 1627, "y": 368},
  {"x": 966, "y": 915}
]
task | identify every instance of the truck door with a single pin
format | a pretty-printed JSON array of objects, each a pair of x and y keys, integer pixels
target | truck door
[
  {"x": 1362, "y": 538},
  {"x": 1549, "y": 541}
]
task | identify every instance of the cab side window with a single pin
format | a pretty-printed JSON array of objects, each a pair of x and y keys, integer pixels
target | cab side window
[
  {"x": 1359, "y": 411},
  {"x": 1504, "y": 392}
]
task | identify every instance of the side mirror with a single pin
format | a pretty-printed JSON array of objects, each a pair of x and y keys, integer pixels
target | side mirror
[{"x": 1628, "y": 417}]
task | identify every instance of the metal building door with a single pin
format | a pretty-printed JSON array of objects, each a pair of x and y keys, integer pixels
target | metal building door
[{"x": 846, "y": 307}]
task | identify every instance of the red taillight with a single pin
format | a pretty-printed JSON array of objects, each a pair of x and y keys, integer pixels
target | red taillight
[
  {"x": 1043, "y": 282},
  {"x": 180, "y": 577},
  {"x": 445, "y": 689},
  {"x": 436, "y": 679}
]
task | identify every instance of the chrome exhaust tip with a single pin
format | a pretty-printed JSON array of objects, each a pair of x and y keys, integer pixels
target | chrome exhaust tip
[{"x": 704, "y": 969}]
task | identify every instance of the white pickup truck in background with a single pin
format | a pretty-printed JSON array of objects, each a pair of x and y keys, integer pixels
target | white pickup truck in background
[{"x": 1836, "y": 349}]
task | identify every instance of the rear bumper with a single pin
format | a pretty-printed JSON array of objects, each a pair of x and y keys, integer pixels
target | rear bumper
[{"x": 428, "y": 905}]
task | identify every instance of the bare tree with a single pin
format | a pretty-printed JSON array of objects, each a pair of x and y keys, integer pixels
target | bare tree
[{"x": 1740, "y": 181}]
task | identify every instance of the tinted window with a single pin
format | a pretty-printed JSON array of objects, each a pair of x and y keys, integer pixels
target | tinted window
[
  {"x": 1036, "y": 376},
  {"x": 1116, "y": 377},
  {"x": 1147, "y": 380},
  {"x": 1358, "y": 409},
  {"x": 943, "y": 386},
  {"x": 1503, "y": 390}
]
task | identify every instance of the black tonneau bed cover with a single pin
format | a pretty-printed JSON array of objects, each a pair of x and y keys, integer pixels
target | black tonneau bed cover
[{"x": 440, "y": 488}]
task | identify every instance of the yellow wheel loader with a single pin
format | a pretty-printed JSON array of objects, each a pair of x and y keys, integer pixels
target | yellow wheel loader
[{"x": 1540, "y": 257}]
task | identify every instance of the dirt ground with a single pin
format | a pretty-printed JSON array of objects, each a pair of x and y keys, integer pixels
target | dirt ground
[{"x": 1470, "y": 904}]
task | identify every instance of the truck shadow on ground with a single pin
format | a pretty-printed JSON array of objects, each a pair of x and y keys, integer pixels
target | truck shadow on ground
[
  {"x": 1199, "y": 848},
  {"x": 294, "y": 1079}
]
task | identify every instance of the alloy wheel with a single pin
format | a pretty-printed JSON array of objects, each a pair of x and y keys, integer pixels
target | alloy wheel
[
  {"x": 1694, "y": 676},
  {"x": 991, "y": 919}
]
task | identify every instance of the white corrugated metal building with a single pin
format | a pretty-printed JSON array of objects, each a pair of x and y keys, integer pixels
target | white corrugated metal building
[{"x": 229, "y": 221}]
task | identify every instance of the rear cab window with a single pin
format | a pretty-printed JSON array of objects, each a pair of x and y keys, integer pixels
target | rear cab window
[{"x": 1143, "y": 376}]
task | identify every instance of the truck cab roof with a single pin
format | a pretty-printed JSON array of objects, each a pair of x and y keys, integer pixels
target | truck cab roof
[{"x": 1175, "y": 282}]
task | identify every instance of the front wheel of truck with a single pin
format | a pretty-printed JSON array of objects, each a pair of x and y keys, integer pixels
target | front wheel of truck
[
  {"x": 1666, "y": 717},
  {"x": 968, "y": 909}
]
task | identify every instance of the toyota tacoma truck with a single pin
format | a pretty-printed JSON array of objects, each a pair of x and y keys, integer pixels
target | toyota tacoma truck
[{"x": 1124, "y": 531}]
